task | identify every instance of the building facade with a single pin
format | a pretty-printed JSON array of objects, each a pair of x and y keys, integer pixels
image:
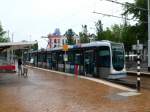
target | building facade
[{"x": 56, "y": 41}]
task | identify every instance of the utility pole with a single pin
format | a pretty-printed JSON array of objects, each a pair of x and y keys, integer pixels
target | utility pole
[
  {"x": 148, "y": 35},
  {"x": 12, "y": 52}
]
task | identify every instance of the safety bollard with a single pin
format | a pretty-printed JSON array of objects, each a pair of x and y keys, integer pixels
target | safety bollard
[{"x": 138, "y": 68}]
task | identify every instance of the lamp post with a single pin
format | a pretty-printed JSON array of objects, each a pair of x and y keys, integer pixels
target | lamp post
[{"x": 148, "y": 35}]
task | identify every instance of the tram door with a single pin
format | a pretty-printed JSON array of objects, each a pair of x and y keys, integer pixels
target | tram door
[
  {"x": 89, "y": 62},
  {"x": 103, "y": 61}
]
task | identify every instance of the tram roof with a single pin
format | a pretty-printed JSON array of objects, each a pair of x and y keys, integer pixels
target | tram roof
[
  {"x": 16, "y": 45},
  {"x": 92, "y": 44}
]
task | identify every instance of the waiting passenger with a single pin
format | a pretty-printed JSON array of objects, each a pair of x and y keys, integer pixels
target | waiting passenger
[{"x": 19, "y": 66}]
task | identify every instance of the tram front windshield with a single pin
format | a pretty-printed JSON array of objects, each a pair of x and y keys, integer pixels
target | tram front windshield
[{"x": 118, "y": 56}]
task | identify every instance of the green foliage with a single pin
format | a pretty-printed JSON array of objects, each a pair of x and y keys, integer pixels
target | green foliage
[
  {"x": 34, "y": 47},
  {"x": 112, "y": 34},
  {"x": 118, "y": 33},
  {"x": 3, "y": 38},
  {"x": 106, "y": 35},
  {"x": 141, "y": 16},
  {"x": 129, "y": 36},
  {"x": 83, "y": 38},
  {"x": 69, "y": 34}
]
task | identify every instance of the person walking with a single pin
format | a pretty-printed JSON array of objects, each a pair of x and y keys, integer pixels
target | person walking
[{"x": 19, "y": 66}]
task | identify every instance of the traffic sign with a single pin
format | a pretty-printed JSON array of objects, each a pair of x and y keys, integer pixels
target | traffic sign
[
  {"x": 65, "y": 57},
  {"x": 139, "y": 47},
  {"x": 65, "y": 47}
]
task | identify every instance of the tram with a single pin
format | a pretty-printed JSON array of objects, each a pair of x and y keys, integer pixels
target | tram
[{"x": 104, "y": 59}]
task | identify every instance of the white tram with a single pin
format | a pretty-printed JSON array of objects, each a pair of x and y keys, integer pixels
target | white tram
[{"x": 104, "y": 59}]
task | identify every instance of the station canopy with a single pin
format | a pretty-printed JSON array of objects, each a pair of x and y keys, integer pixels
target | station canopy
[{"x": 16, "y": 45}]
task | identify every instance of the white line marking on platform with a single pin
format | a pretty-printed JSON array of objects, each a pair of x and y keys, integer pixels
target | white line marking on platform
[
  {"x": 128, "y": 93},
  {"x": 91, "y": 79}
]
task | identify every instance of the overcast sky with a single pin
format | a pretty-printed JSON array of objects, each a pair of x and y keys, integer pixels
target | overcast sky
[{"x": 31, "y": 19}]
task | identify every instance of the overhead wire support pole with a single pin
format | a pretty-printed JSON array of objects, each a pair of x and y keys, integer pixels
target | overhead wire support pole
[{"x": 148, "y": 35}]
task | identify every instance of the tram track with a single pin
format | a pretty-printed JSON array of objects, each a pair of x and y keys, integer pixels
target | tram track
[
  {"x": 124, "y": 83},
  {"x": 134, "y": 73},
  {"x": 131, "y": 81}
]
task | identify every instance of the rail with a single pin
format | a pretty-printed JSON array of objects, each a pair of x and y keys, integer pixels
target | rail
[{"x": 144, "y": 74}]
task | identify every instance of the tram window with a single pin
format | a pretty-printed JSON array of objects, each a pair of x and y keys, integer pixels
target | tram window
[
  {"x": 44, "y": 57},
  {"x": 54, "y": 57},
  {"x": 117, "y": 56},
  {"x": 88, "y": 57},
  {"x": 104, "y": 57},
  {"x": 60, "y": 58},
  {"x": 39, "y": 57},
  {"x": 49, "y": 59},
  {"x": 78, "y": 59},
  {"x": 71, "y": 58}
]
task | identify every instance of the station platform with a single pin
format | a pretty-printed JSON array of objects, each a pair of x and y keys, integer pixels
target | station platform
[{"x": 50, "y": 91}]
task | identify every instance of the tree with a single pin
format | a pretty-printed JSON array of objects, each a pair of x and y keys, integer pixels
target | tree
[
  {"x": 106, "y": 34},
  {"x": 129, "y": 36},
  {"x": 69, "y": 34},
  {"x": 83, "y": 35},
  {"x": 34, "y": 47},
  {"x": 113, "y": 33},
  {"x": 3, "y": 37},
  {"x": 141, "y": 16},
  {"x": 116, "y": 32}
]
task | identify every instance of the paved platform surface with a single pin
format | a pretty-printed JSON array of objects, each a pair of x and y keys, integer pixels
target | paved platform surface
[{"x": 44, "y": 91}]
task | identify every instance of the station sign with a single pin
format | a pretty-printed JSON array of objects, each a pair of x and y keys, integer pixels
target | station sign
[{"x": 137, "y": 47}]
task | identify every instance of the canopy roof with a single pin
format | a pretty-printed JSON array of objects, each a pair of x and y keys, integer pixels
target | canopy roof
[{"x": 16, "y": 45}]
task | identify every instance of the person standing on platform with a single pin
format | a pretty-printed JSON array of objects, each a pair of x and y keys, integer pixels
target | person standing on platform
[{"x": 19, "y": 66}]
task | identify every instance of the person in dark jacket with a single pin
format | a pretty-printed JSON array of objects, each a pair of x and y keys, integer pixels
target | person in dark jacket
[{"x": 19, "y": 66}]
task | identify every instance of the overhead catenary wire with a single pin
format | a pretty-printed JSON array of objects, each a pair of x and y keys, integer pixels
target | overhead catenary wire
[
  {"x": 122, "y": 17},
  {"x": 110, "y": 15},
  {"x": 127, "y": 4}
]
